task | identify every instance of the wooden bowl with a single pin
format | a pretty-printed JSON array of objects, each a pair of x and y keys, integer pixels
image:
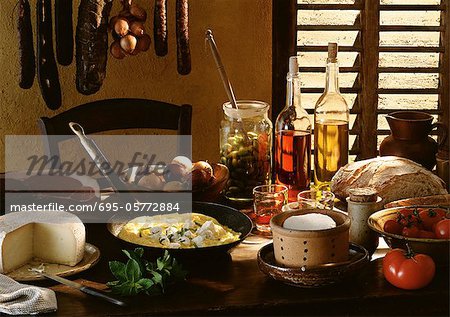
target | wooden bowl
[
  {"x": 213, "y": 191},
  {"x": 297, "y": 248},
  {"x": 315, "y": 276},
  {"x": 209, "y": 193},
  {"x": 438, "y": 249}
]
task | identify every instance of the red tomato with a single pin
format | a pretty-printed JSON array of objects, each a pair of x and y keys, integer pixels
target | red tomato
[
  {"x": 408, "y": 271},
  {"x": 406, "y": 212},
  {"x": 430, "y": 216},
  {"x": 392, "y": 226},
  {"x": 442, "y": 229},
  {"x": 411, "y": 231},
  {"x": 427, "y": 234},
  {"x": 408, "y": 217}
]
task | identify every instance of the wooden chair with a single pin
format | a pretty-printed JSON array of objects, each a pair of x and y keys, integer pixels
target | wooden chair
[{"x": 116, "y": 114}]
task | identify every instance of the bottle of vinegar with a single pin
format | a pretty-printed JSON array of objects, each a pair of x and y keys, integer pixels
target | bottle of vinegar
[
  {"x": 293, "y": 138},
  {"x": 331, "y": 117}
]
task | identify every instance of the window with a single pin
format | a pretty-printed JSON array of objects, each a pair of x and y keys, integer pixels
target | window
[{"x": 394, "y": 55}]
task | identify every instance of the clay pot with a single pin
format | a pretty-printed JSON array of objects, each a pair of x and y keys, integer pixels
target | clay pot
[
  {"x": 410, "y": 137},
  {"x": 306, "y": 248}
]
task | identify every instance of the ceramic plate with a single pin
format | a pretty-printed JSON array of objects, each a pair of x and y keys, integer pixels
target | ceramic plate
[
  {"x": 23, "y": 274},
  {"x": 316, "y": 276}
]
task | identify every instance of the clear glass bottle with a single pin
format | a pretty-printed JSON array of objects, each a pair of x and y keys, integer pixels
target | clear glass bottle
[
  {"x": 293, "y": 138},
  {"x": 248, "y": 159},
  {"x": 331, "y": 118}
]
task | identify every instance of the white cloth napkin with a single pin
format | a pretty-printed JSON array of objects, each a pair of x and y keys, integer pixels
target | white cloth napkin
[{"x": 21, "y": 299}]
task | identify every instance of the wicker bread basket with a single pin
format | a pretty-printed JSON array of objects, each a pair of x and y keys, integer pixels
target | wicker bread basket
[{"x": 301, "y": 248}]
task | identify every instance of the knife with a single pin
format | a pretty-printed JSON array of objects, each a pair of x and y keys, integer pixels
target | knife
[{"x": 84, "y": 289}]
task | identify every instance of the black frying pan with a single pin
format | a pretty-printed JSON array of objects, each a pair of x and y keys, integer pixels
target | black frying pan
[{"x": 227, "y": 216}]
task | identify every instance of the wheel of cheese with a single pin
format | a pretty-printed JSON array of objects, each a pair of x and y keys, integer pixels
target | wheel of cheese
[{"x": 50, "y": 236}]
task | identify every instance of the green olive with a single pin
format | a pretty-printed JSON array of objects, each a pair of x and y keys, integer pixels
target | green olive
[
  {"x": 233, "y": 154},
  {"x": 243, "y": 151},
  {"x": 226, "y": 148}
]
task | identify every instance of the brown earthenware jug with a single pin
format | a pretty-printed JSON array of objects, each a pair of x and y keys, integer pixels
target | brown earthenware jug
[{"x": 410, "y": 137}]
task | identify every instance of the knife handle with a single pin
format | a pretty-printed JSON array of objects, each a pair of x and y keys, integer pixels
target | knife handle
[{"x": 101, "y": 295}]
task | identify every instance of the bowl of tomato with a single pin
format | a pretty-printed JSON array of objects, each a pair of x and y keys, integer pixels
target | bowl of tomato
[{"x": 426, "y": 229}]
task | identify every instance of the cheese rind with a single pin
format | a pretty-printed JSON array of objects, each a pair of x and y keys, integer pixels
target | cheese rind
[{"x": 51, "y": 236}]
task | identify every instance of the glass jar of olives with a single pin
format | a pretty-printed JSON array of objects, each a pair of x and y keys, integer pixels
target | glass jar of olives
[{"x": 246, "y": 147}]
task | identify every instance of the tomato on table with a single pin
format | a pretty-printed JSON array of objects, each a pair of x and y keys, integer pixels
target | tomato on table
[{"x": 407, "y": 270}]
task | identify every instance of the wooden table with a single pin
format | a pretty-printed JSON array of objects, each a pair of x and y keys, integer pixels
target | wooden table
[{"x": 233, "y": 285}]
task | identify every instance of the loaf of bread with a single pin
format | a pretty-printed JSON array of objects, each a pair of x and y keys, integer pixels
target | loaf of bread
[{"x": 392, "y": 177}]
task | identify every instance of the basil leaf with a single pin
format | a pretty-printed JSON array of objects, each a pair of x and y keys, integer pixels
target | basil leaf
[
  {"x": 160, "y": 264},
  {"x": 158, "y": 279},
  {"x": 125, "y": 289},
  {"x": 139, "y": 275},
  {"x": 146, "y": 283},
  {"x": 118, "y": 270},
  {"x": 133, "y": 270}
]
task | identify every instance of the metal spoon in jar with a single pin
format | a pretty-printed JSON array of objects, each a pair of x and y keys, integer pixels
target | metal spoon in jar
[{"x": 226, "y": 82}]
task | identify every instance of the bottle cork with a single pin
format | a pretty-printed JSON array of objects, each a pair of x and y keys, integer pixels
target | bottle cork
[
  {"x": 363, "y": 195},
  {"x": 332, "y": 51},
  {"x": 293, "y": 64}
]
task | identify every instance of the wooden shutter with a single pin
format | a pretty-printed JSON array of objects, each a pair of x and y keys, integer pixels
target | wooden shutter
[{"x": 393, "y": 56}]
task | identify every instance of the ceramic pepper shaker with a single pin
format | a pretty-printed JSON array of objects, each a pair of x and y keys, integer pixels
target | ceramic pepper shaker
[{"x": 362, "y": 202}]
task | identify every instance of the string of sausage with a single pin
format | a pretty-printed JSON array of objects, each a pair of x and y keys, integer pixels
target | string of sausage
[
  {"x": 46, "y": 65},
  {"x": 160, "y": 27},
  {"x": 182, "y": 29},
  {"x": 92, "y": 44},
  {"x": 64, "y": 31},
  {"x": 26, "y": 50}
]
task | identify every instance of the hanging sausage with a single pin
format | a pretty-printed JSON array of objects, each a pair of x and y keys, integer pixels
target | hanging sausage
[
  {"x": 26, "y": 50},
  {"x": 182, "y": 29},
  {"x": 160, "y": 27},
  {"x": 46, "y": 64},
  {"x": 91, "y": 41},
  {"x": 64, "y": 31}
]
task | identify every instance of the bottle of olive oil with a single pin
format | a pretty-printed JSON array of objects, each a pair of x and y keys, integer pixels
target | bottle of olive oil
[
  {"x": 331, "y": 118},
  {"x": 293, "y": 138}
]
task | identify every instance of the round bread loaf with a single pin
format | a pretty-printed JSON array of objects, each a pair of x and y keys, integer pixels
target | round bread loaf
[{"x": 392, "y": 177}]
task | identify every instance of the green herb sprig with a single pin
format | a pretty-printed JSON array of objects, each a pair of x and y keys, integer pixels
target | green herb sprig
[{"x": 138, "y": 275}]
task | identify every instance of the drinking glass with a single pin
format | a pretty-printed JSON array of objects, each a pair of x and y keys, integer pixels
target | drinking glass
[
  {"x": 315, "y": 198},
  {"x": 267, "y": 202}
]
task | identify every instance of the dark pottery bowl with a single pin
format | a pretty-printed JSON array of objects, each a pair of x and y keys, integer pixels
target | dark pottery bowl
[{"x": 313, "y": 276}]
